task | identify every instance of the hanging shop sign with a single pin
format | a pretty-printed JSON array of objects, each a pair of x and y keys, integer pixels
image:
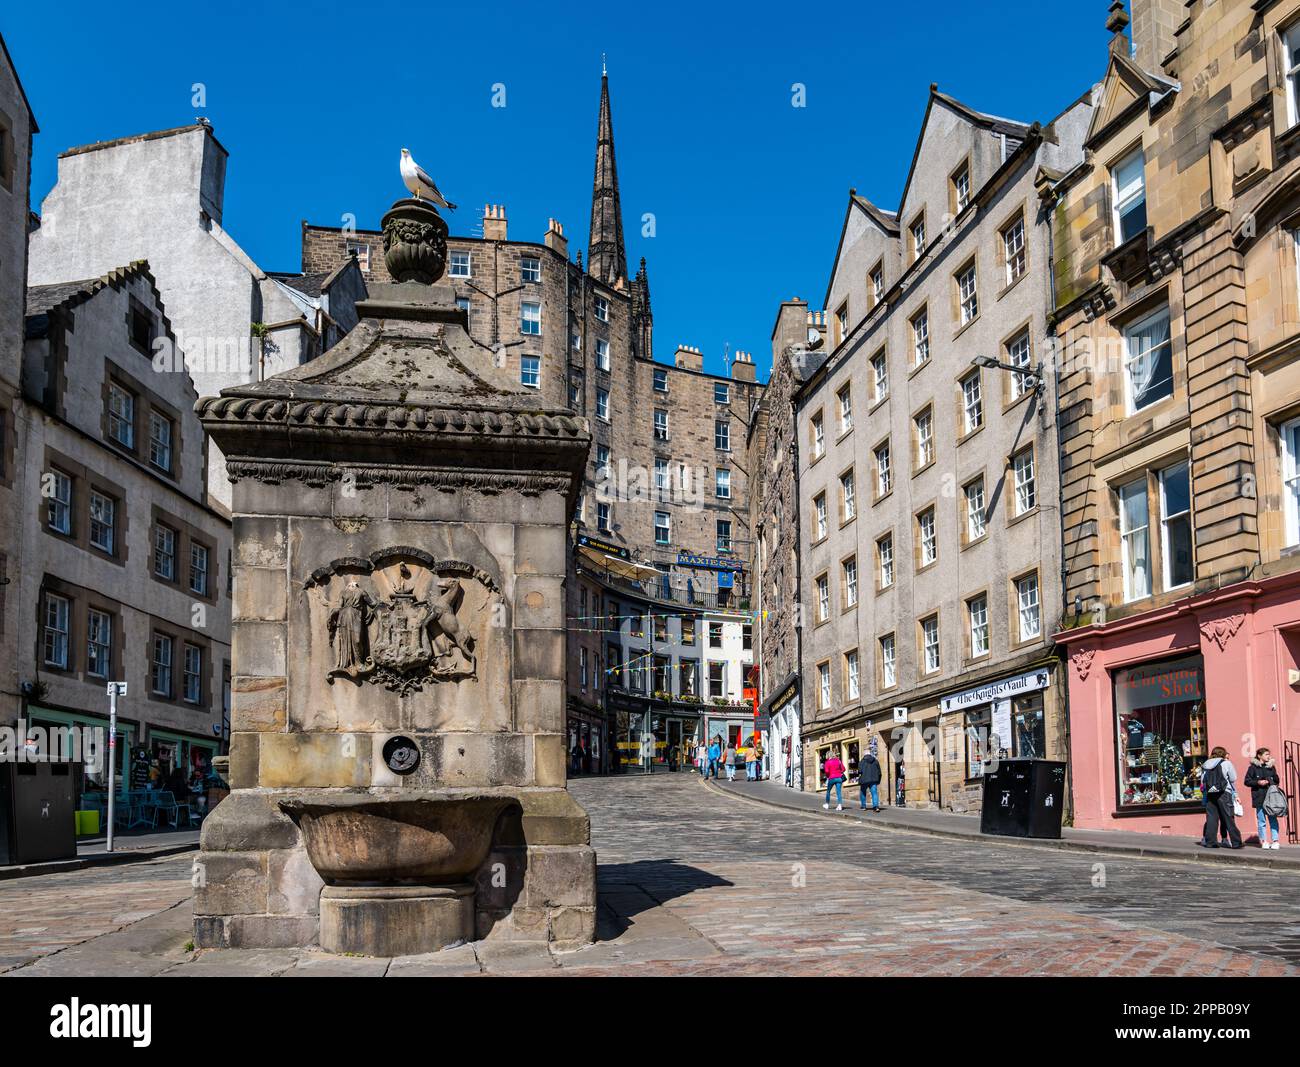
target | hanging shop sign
[
  {"x": 608, "y": 547},
  {"x": 1002, "y": 689},
  {"x": 713, "y": 563}
]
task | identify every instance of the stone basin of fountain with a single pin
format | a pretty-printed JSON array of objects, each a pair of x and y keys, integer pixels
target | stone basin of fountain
[{"x": 396, "y": 869}]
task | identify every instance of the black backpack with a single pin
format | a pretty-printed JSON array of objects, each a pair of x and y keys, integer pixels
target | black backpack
[{"x": 1214, "y": 780}]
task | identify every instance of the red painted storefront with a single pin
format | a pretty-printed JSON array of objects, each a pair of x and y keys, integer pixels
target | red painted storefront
[{"x": 1151, "y": 694}]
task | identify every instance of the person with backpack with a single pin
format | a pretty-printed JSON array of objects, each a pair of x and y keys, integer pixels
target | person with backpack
[
  {"x": 1218, "y": 787},
  {"x": 715, "y": 754},
  {"x": 869, "y": 781},
  {"x": 1266, "y": 795},
  {"x": 833, "y": 768}
]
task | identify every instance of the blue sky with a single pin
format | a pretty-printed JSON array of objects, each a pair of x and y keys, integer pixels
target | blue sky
[{"x": 747, "y": 192}]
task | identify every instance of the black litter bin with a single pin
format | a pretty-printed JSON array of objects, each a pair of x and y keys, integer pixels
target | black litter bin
[
  {"x": 1023, "y": 798},
  {"x": 37, "y": 812}
]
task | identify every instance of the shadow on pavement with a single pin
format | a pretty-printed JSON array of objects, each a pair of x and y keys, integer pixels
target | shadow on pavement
[{"x": 626, "y": 890}]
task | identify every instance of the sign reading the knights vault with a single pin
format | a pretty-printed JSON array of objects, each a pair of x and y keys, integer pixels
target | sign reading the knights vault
[{"x": 1002, "y": 689}]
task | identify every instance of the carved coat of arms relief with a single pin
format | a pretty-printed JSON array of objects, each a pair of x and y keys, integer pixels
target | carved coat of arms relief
[{"x": 400, "y": 618}]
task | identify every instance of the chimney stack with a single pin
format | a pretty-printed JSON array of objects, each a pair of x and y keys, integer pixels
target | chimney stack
[
  {"x": 742, "y": 367},
  {"x": 689, "y": 358},
  {"x": 555, "y": 239},
  {"x": 494, "y": 222}
]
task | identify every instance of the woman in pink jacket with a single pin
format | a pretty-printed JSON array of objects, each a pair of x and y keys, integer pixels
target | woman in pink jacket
[{"x": 833, "y": 768}]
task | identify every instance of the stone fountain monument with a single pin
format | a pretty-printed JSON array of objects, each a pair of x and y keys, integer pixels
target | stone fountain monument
[{"x": 397, "y": 756}]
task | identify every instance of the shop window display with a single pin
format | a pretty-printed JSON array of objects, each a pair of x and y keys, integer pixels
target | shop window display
[{"x": 1160, "y": 732}]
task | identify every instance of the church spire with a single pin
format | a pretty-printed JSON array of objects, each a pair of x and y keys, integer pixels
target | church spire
[{"x": 606, "y": 257}]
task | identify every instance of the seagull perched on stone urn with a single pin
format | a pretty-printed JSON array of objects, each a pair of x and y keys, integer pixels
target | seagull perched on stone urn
[{"x": 420, "y": 184}]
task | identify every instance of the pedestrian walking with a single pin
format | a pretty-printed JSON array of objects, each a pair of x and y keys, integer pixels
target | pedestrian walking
[
  {"x": 715, "y": 754},
  {"x": 730, "y": 761},
  {"x": 751, "y": 764},
  {"x": 1218, "y": 787},
  {"x": 702, "y": 759},
  {"x": 833, "y": 768},
  {"x": 869, "y": 780},
  {"x": 1266, "y": 796}
]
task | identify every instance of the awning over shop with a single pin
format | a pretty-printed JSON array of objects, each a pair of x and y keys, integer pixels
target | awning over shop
[{"x": 624, "y": 568}]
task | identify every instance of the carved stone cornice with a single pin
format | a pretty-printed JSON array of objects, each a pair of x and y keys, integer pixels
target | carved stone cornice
[
  {"x": 1222, "y": 630},
  {"x": 446, "y": 479},
  {"x": 336, "y": 416}
]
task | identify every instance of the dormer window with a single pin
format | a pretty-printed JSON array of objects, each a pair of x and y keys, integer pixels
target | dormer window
[{"x": 1130, "y": 193}]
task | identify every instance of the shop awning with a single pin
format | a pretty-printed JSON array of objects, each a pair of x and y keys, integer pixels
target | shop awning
[{"x": 624, "y": 568}]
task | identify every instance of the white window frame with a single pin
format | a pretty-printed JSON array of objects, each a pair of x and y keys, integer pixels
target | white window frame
[
  {"x": 1166, "y": 550},
  {"x": 164, "y": 536},
  {"x": 722, "y": 483},
  {"x": 1132, "y": 333},
  {"x": 160, "y": 445},
  {"x": 924, "y": 424},
  {"x": 888, "y": 662},
  {"x": 1019, "y": 355},
  {"x": 158, "y": 643},
  {"x": 99, "y": 643},
  {"x": 722, "y": 435},
  {"x": 664, "y": 528},
  {"x": 661, "y": 424},
  {"x": 818, "y": 436},
  {"x": 530, "y": 371},
  {"x": 1131, "y": 535},
  {"x": 56, "y": 631},
  {"x": 457, "y": 259},
  {"x": 976, "y": 518},
  {"x": 1126, "y": 198},
  {"x": 968, "y": 294},
  {"x": 819, "y": 515},
  {"x": 1289, "y": 432},
  {"x": 849, "y": 567},
  {"x": 602, "y": 404},
  {"x": 852, "y": 682},
  {"x": 823, "y": 686},
  {"x": 931, "y": 660},
  {"x": 196, "y": 674},
  {"x": 823, "y": 598},
  {"x": 660, "y": 380},
  {"x": 977, "y": 618},
  {"x": 721, "y": 393},
  {"x": 1025, "y": 480},
  {"x": 920, "y": 325},
  {"x": 885, "y": 559},
  {"x": 602, "y": 354},
  {"x": 199, "y": 557},
  {"x": 530, "y": 268},
  {"x": 972, "y": 402},
  {"x": 845, "y": 396},
  {"x": 58, "y": 511},
  {"x": 848, "y": 496},
  {"x": 103, "y": 515},
  {"x": 884, "y": 471},
  {"x": 1013, "y": 249},
  {"x": 928, "y": 535},
  {"x": 880, "y": 376},
  {"x": 121, "y": 416},
  {"x": 1029, "y": 608},
  {"x": 530, "y": 318},
  {"x": 602, "y": 309}
]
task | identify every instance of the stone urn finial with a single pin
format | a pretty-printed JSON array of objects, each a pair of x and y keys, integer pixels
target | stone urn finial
[{"x": 415, "y": 242}]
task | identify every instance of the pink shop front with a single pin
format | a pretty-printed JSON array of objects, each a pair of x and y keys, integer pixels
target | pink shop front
[{"x": 1151, "y": 695}]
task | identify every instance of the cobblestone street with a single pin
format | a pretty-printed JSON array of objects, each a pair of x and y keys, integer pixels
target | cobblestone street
[{"x": 683, "y": 892}]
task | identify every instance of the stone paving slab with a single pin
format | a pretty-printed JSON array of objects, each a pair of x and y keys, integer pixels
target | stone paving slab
[
  {"x": 697, "y": 883},
  {"x": 951, "y": 824}
]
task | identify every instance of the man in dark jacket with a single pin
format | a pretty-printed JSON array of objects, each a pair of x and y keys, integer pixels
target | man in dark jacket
[{"x": 869, "y": 779}]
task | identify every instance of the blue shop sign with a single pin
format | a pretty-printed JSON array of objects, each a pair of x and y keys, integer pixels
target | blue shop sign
[{"x": 713, "y": 563}]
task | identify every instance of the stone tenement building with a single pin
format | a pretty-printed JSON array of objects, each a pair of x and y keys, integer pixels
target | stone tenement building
[
  {"x": 159, "y": 197},
  {"x": 662, "y": 530},
  {"x": 798, "y": 351},
  {"x": 17, "y": 125},
  {"x": 928, "y": 523},
  {"x": 124, "y": 564},
  {"x": 1178, "y": 315}
]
